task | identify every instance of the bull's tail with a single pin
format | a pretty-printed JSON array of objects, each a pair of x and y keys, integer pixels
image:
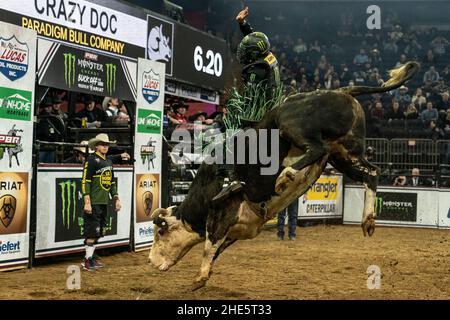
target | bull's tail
[{"x": 398, "y": 76}]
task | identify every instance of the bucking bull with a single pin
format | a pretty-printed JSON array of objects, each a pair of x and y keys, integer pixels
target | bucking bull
[{"x": 315, "y": 128}]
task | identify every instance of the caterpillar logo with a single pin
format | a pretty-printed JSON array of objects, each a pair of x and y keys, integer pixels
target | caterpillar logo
[
  {"x": 69, "y": 69},
  {"x": 111, "y": 78}
]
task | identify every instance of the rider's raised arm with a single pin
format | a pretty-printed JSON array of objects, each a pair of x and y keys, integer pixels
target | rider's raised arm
[{"x": 245, "y": 27}]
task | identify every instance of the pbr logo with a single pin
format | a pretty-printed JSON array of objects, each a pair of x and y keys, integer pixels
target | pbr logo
[
  {"x": 7, "y": 209},
  {"x": 151, "y": 85},
  {"x": 11, "y": 143},
  {"x": 148, "y": 153},
  {"x": 13, "y": 58}
]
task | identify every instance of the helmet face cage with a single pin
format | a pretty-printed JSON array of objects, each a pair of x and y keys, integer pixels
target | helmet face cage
[{"x": 254, "y": 45}]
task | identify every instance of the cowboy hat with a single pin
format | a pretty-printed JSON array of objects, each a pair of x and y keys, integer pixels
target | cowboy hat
[
  {"x": 100, "y": 138},
  {"x": 47, "y": 102},
  {"x": 83, "y": 149}
]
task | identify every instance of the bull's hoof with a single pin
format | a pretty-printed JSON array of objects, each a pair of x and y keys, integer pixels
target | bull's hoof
[
  {"x": 368, "y": 226},
  {"x": 198, "y": 284},
  {"x": 286, "y": 177}
]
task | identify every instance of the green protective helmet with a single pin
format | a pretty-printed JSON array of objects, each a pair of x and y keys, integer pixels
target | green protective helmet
[{"x": 254, "y": 46}]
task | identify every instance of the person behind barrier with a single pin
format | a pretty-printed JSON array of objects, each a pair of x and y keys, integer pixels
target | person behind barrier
[
  {"x": 93, "y": 116},
  {"x": 292, "y": 213},
  {"x": 79, "y": 153},
  {"x": 97, "y": 186}
]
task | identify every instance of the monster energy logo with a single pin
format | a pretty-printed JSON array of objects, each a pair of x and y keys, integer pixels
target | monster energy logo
[
  {"x": 378, "y": 205},
  {"x": 110, "y": 78},
  {"x": 261, "y": 45},
  {"x": 69, "y": 69},
  {"x": 69, "y": 202}
]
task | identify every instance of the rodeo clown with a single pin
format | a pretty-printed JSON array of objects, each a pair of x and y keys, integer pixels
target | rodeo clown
[
  {"x": 97, "y": 185},
  {"x": 262, "y": 90}
]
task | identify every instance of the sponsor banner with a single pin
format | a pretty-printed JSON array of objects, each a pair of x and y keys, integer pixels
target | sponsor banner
[
  {"x": 14, "y": 218},
  {"x": 148, "y": 152},
  {"x": 15, "y": 104},
  {"x": 69, "y": 211},
  {"x": 444, "y": 208},
  {"x": 149, "y": 121},
  {"x": 395, "y": 206},
  {"x": 192, "y": 92},
  {"x": 148, "y": 147},
  {"x": 81, "y": 23},
  {"x": 85, "y": 71},
  {"x": 17, "y": 82},
  {"x": 16, "y": 145},
  {"x": 323, "y": 199},
  {"x": 59, "y": 227},
  {"x": 147, "y": 196},
  {"x": 14, "y": 194},
  {"x": 147, "y": 200}
]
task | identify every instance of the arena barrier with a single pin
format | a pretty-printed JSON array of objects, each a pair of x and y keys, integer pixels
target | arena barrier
[
  {"x": 408, "y": 206},
  {"x": 59, "y": 221}
]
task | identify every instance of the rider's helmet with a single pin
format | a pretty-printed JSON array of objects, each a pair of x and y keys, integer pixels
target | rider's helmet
[{"x": 253, "y": 47}]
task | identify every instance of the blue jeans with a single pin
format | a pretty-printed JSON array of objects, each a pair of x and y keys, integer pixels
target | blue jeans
[{"x": 292, "y": 211}]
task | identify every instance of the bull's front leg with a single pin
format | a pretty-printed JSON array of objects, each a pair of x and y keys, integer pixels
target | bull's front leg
[{"x": 209, "y": 253}]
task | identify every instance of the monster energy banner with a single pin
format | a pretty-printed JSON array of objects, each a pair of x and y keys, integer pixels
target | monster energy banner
[
  {"x": 396, "y": 206},
  {"x": 148, "y": 148},
  {"x": 69, "y": 213},
  {"x": 84, "y": 71},
  {"x": 60, "y": 211},
  {"x": 17, "y": 78}
]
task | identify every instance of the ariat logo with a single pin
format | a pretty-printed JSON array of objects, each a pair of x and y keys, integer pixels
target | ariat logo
[
  {"x": 147, "y": 201},
  {"x": 7, "y": 209},
  {"x": 110, "y": 78},
  {"x": 68, "y": 194},
  {"x": 69, "y": 69}
]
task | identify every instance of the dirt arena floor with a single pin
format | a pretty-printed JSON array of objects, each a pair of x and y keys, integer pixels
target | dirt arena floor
[{"x": 326, "y": 262}]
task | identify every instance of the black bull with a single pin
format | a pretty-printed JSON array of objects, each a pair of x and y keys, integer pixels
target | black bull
[{"x": 315, "y": 128}]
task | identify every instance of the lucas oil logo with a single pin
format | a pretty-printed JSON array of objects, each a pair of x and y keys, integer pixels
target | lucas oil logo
[
  {"x": 151, "y": 86},
  {"x": 13, "y": 58}
]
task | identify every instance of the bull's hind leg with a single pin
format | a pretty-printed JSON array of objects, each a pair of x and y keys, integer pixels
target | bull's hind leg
[{"x": 359, "y": 169}]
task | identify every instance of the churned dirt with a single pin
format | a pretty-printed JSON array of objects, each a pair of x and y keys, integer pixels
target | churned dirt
[{"x": 326, "y": 262}]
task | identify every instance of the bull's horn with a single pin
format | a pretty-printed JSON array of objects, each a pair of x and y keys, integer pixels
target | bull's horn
[{"x": 158, "y": 212}]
